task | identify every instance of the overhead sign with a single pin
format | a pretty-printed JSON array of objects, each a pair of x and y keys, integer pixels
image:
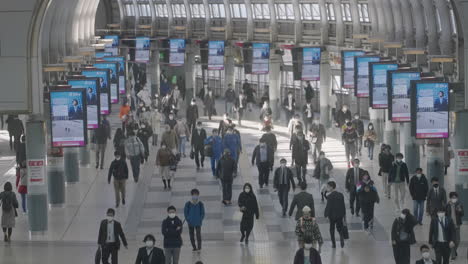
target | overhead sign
[
  {"x": 122, "y": 71},
  {"x": 104, "y": 86},
  {"x": 92, "y": 95},
  {"x": 36, "y": 171},
  {"x": 216, "y": 55},
  {"x": 261, "y": 58},
  {"x": 378, "y": 97},
  {"x": 114, "y": 81},
  {"x": 311, "y": 64},
  {"x": 177, "y": 52},
  {"x": 142, "y": 51},
  {"x": 361, "y": 74},
  {"x": 347, "y": 67},
  {"x": 399, "y": 94}
]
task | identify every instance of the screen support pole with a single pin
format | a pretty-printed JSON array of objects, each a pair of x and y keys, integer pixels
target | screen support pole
[
  {"x": 461, "y": 143},
  {"x": 435, "y": 159},
  {"x": 274, "y": 85},
  {"x": 391, "y": 135},
  {"x": 72, "y": 169},
  {"x": 411, "y": 148},
  {"x": 85, "y": 152},
  {"x": 325, "y": 87}
]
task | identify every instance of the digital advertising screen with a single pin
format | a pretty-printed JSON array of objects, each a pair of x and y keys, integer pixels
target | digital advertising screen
[
  {"x": 261, "y": 58},
  {"x": 287, "y": 57},
  {"x": 142, "y": 51},
  {"x": 399, "y": 94},
  {"x": 361, "y": 74},
  {"x": 103, "y": 76},
  {"x": 216, "y": 55},
  {"x": 102, "y": 54},
  {"x": 431, "y": 109},
  {"x": 114, "y": 81},
  {"x": 347, "y": 67},
  {"x": 311, "y": 64},
  {"x": 177, "y": 52},
  {"x": 122, "y": 71},
  {"x": 378, "y": 83},
  {"x": 114, "y": 46},
  {"x": 68, "y": 117},
  {"x": 92, "y": 95}
]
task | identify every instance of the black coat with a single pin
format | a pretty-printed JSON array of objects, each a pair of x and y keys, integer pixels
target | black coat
[
  {"x": 418, "y": 188},
  {"x": 192, "y": 114},
  {"x": 238, "y": 102},
  {"x": 118, "y": 233},
  {"x": 249, "y": 201},
  {"x": 386, "y": 162},
  {"x": 341, "y": 117},
  {"x": 359, "y": 125},
  {"x": 270, "y": 156},
  {"x": 157, "y": 256},
  {"x": 289, "y": 180},
  {"x": 300, "y": 200},
  {"x": 335, "y": 209},
  {"x": 404, "y": 173},
  {"x": 118, "y": 169},
  {"x": 223, "y": 127},
  {"x": 172, "y": 236},
  {"x": 198, "y": 138},
  {"x": 459, "y": 213},
  {"x": 286, "y": 104},
  {"x": 367, "y": 201},
  {"x": 350, "y": 184},
  {"x": 407, "y": 225},
  {"x": 270, "y": 140},
  {"x": 21, "y": 153},
  {"x": 300, "y": 150},
  {"x": 225, "y": 168},
  {"x": 434, "y": 202},
  {"x": 449, "y": 230},
  {"x": 309, "y": 93},
  {"x": 314, "y": 257}
]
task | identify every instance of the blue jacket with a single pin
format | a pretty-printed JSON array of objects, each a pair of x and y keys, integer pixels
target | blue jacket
[
  {"x": 232, "y": 142},
  {"x": 194, "y": 213},
  {"x": 217, "y": 146}
]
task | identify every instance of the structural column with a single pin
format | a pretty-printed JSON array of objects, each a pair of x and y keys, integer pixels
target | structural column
[
  {"x": 189, "y": 76},
  {"x": 391, "y": 135},
  {"x": 460, "y": 146},
  {"x": 435, "y": 159},
  {"x": 411, "y": 149},
  {"x": 72, "y": 170},
  {"x": 325, "y": 87},
  {"x": 56, "y": 177},
  {"x": 229, "y": 68},
  {"x": 37, "y": 185},
  {"x": 85, "y": 158},
  {"x": 274, "y": 85}
]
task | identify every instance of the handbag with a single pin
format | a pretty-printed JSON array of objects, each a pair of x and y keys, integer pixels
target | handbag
[
  {"x": 192, "y": 154},
  {"x": 345, "y": 231},
  {"x": 98, "y": 256},
  {"x": 366, "y": 143}
]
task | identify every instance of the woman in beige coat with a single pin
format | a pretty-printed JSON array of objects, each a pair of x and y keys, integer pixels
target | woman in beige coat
[{"x": 155, "y": 121}]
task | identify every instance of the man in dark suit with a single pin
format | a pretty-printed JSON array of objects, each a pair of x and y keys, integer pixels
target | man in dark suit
[
  {"x": 110, "y": 234},
  {"x": 263, "y": 157},
  {"x": 353, "y": 177},
  {"x": 335, "y": 211},
  {"x": 74, "y": 111},
  {"x": 198, "y": 137},
  {"x": 225, "y": 171},
  {"x": 300, "y": 150},
  {"x": 443, "y": 241},
  {"x": 289, "y": 105},
  {"x": 426, "y": 255},
  {"x": 302, "y": 199},
  {"x": 282, "y": 184},
  {"x": 192, "y": 114},
  {"x": 240, "y": 106},
  {"x": 440, "y": 103},
  {"x": 149, "y": 254},
  {"x": 436, "y": 197}
]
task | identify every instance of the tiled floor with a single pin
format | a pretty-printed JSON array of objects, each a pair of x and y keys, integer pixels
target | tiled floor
[{"x": 72, "y": 230}]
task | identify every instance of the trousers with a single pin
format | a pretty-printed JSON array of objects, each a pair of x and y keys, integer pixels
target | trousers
[
  {"x": 227, "y": 190},
  {"x": 353, "y": 196},
  {"x": 263, "y": 173},
  {"x": 110, "y": 250},
  {"x": 418, "y": 210},
  {"x": 119, "y": 188},
  {"x": 192, "y": 230},
  {"x": 100, "y": 151},
  {"x": 442, "y": 252},
  {"x": 399, "y": 190},
  {"x": 338, "y": 224},
  {"x": 283, "y": 192},
  {"x": 199, "y": 154},
  {"x": 172, "y": 255},
  {"x": 401, "y": 253},
  {"x": 135, "y": 163}
]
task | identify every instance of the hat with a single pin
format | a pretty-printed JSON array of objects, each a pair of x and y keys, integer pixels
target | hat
[{"x": 306, "y": 209}]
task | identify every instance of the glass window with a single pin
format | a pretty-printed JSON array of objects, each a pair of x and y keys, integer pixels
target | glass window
[
  {"x": 331, "y": 12},
  {"x": 346, "y": 12},
  {"x": 217, "y": 11},
  {"x": 198, "y": 10},
  {"x": 130, "y": 10},
  {"x": 310, "y": 11},
  {"x": 363, "y": 13},
  {"x": 161, "y": 10},
  {"x": 439, "y": 26},
  {"x": 178, "y": 10},
  {"x": 453, "y": 22},
  {"x": 144, "y": 10},
  {"x": 284, "y": 11},
  {"x": 261, "y": 11},
  {"x": 238, "y": 11}
]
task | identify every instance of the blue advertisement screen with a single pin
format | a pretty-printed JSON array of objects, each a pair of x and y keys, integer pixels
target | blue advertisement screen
[
  {"x": 401, "y": 95},
  {"x": 261, "y": 58},
  {"x": 348, "y": 67},
  {"x": 92, "y": 100},
  {"x": 114, "y": 46},
  {"x": 177, "y": 52},
  {"x": 311, "y": 64},
  {"x": 379, "y": 84},
  {"x": 114, "y": 81},
  {"x": 432, "y": 110},
  {"x": 142, "y": 52},
  {"x": 216, "y": 55},
  {"x": 100, "y": 55},
  {"x": 104, "y": 84},
  {"x": 362, "y": 74},
  {"x": 122, "y": 73}
]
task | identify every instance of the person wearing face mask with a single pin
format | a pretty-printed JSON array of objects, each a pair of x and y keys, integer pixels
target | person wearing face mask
[
  {"x": 335, "y": 211},
  {"x": 209, "y": 103},
  {"x": 349, "y": 139},
  {"x": 156, "y": 104},
  {"x": 265, "y": 115},
  {"x": 398, "y": 178},
  {"x": 183, "y": 134},
  {"x": 216, "y": 144},
  {"x": 263, "y": 157},
  {"x": 342, "y": 115},
  {"x": 386, "y": 160},
  {"x": 198, "y": 146},
  {"x": 318, "y": 136},
  {"x": 225, "y": 172},
  {"x": 119, "y": 170},
  {"x": 141, "y": 108},
  {"x": 307, "y": 228},
  {"x": 300, "y": 150},
  {"x": 369, "y": 140},
  {"x": 308, "y": 115},
  {"x": 145, "y": 115},
  {"x": 403, "y": 237},
  {"x": 163, "y": 161},
  {"x": 155, "y": 122},
  {"x": 192, "y": 115},
  {"x": 418, "y": 189},
  {"x": 170, "y": 139},
  {"x": 289, "y": 105},
  {"x": 295, "y": 124},
  {"x": 353, "y": 178},
  {"x": 144, "y": 134},
  {"x": 101, "y": 135},
  {"x": 230, "y": 98},
  {"x": 426, "y": 256},
  {"x": 322, "y": 172},
  {"x": 171, "y": 121},
  {"x": 149, "y": 254},
  {"x": 308, "y": 254},
  {"x": 270, "y": 138},
  {"x": 455, "y": 211},
  {"x": 282, "y": 182},
  {"x": 171, "y": 229},
  {"x": 135, "y": 151},
  {"x": 110, "y": 235},
  {"x": 442, "y": 236},
  {"x": 368, "y": 197},
  {"x": 436, "y": 198},
  {"x": 359, "y": 126},
  {"x": 248, "y": 206},
  {"x": 194, "y": 212},
  {"x": 240, "y": 105}
]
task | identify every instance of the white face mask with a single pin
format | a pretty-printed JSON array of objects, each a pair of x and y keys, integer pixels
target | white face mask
[
  {"x": 283, "y": 165},
  {"x": 192, "y": 103},
  {"x": 149, "y": 243},
  {"x": 171, "y": 215},
  {"x": 356, "y": 117},
  {"x": 426, "y": 255},
  {"x": 440, "y": 215},
  {"x": 418, "y": 175},
  {"x": 117, "y": 158},
  {"x": 454, "y": 200},
  {"x": 403, "y": 216},
  {"x": 307, "y": 246},
  {"x": 110, "y": 218},
  {"x": 371, "y": 127},
  {"x": 143, "y": 126},
  {"x": 398, "y": 160},
  {"x": 247, "y": 190}
]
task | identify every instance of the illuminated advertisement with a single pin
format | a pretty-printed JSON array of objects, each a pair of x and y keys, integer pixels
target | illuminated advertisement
[
  {"x": 114, "y": 46},
  {"x": 311, "y": 64},
  {"x": 68, "y": 118},
  {"x": 261, "y": 58},
  {"x": 92, "y": 94},
  {"x": 361, "y": 70},
  {"x": 101, "y": 54},
  {"x": 347, "y": 67},
  {"x": 216, "y": 55},
  {"x": 142, "y": 51},
  {"x": 114, "y": 81},
  {"x": 104, "y": 84},
  {"x": 399, "y": 94},
  {"x": 378, "y": 83},
  {"x": 122, "y": 77},
  {"x": 177, "y": 52}
]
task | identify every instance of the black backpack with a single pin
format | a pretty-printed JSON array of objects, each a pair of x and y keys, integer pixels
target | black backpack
[{"x": 7, "y": 203}]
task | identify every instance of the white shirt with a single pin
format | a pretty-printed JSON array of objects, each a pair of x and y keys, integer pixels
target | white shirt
[
  {"x": 110, "y": 232},
  {"x": 440, "y": 238},
  {"x": 290, "y": 102},
  {"x": 309, "y": 111}
]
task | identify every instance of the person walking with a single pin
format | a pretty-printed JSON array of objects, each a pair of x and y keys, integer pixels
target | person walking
[
  {"x": 183, "y": 134},
  {"x": 295, "y": 125},
  {"x": 386, "y": 160},
  {"x": 289, "y": 105},
  {"x": 309, "y": 92},
  {"x": 144, "y": 134},
  {"x": 398, "y": 178},
  {"x": 342, "y": 115},
  {"x": 194, "y": 213},
  {"x": 322, "y": 172},
  {"x": 300, "y": 150},
  {"x": 455, "y": 211},
  {"x": 270, "y": 138},
  {"x": 198, "y": 146},
  {"x": 368, "y": 197},
  {"x": 240, "y": 106},
  {"x": 224, "y": 124},
  {"x": 232, "y": 142},
  {"x": 359, "y": 126},
  {"x": 230, "y": 98},
  {"x": 248, "y": 206},
  {"x": 216, "y": 145},
  {"x": 263, "y": 157},
  {"x": 135, "y": 152},
  {"x": 370, "y": 137},
  {"x": 170, "y": 139},
  {"x": 21, "y": 151},
  {"x": 436, "y": 198},
  {"x": 149, "y": 254},
  {"x": 282, "y": 182},
  {"x": 163, "y": 161},
  {"x": 301, "y": 200},
  {"x": 119, "y": 170},
  {"x": 15, "y": 130},
  {"x": 123, "y": 113},
  {"x": 170, "y": 120},
  {"x": 101, "y": 135},
  {"x": 350, "y": 138},
  {"x": 307, "y": 228},
  {"x": 317, "y": 137},
  {"x": 335, "y": 211},
  {"x": 171, "y": 229},
  {"x": 9, "y": 204},
  {"x": 418, "y": 188},
  {"x": 353, "y": 178},
  {"x": 22, "y": 183},
  {"x": 110, "y": 235},
  {"x": 307, "y": 254},
  {"x": 308, "y": 115},
  {"x": 426, "y": 255},
  {"x": 403, "y": 237},
  {"x": 119, "y": 142},
  {"x": 155, "y": 122},
  {"x": 192, "y": 115},
  {"x": 442, "y": 236},
  {"x": 225, "y": 172},
  {"x": 249, "y": 93},
  {"x": 209, "y": 102}
]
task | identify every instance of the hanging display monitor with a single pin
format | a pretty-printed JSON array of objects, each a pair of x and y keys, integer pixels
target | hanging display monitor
[
  {"x": 361, "y": 74},
  {"x": 104, "y": 86},
  {"x": 430, "y": 106},
  {"x": 102, "y": 54},
  {"x": 142, "y": 51},
  {"x": 177, "y": 52},
  {"x": 114, "y": 81},
  {"x": 347, "y": 67},
  {"x": 92, "y": 95},
  {"x": 216, "y": 55},
  {"x": 311, "y": 64},
  {"x": 261, "y": 58},
  {"x": 378, "y": 98},
  {"x": 287, "y": 57},
  {"x": 399, "y": 94},
  {"x": 114, "y": 46},
  {"x": 68, "y": 117},
  {"x": 122, "y": 71}
]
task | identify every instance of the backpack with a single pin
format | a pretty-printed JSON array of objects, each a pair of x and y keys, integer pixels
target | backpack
[{"x": 7, "y": 202}]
